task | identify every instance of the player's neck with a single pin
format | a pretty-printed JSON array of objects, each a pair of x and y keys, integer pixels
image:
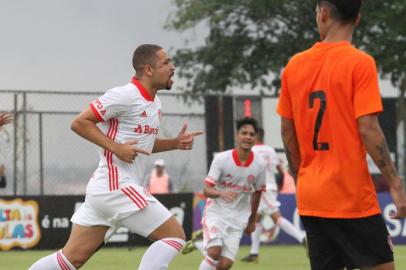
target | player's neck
[
  {"x": 148, "y": 86},
  {"x": 243, "y": 154},
  {"x": 338, "y": 33}
]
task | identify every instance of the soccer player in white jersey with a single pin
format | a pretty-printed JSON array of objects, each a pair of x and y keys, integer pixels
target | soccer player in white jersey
[
  {"x": 128, "y": 118},
  {"x": 269, "y": 204},
  {"x": 233, "y": 186}
]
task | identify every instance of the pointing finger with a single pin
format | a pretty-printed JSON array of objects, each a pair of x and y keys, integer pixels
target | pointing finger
[
  {"x": 183, "y": 130},
  {"x": 142, "y": 151},
  {"x": 131, "y": 142},
  {"x": 197, "y": 133}
]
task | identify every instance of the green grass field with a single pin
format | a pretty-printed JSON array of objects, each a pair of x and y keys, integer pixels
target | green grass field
[{"x": 271, "y": 257}]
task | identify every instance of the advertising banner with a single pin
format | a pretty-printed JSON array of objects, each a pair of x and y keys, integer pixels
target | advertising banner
[
  {"x": 43, "y": 222},
  {"x": 272, "y": 234}
]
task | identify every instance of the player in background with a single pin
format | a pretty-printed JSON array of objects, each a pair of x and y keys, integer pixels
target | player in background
[
  {"x": 269, "y": 204},
  {"x": 233, "y": 186},
  {"x": 329, "y": 106},
  {"x": 128, "y": 118}
]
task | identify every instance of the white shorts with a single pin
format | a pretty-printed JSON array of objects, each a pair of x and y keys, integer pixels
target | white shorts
[
  {"x": 217, "y": 233},
  {"x": 269, "y": 203},
  {"x": 131, "y": 207}
]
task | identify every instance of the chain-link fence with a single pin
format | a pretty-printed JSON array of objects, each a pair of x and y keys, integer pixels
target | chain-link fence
[{"x": 43, "y": 156}]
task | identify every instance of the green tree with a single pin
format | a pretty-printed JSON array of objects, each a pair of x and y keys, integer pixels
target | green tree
[{"x": 250, "y": 41}]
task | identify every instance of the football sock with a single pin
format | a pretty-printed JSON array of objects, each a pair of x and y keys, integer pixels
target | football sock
[
  {"x": 161, "y": 253},
  {"x": 208, "y": 264},
  {"x": 256, "y": 239},
  {"x": 55, "y": 261},
  {"x": 290, "y": 229}
]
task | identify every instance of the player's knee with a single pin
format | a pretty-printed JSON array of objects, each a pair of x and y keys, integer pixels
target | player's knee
[
  {"x": 214, "y": 254},
  {"x": 224, "y": 265}
]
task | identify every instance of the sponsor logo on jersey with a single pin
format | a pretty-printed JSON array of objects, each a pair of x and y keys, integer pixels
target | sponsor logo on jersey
[
  {"x": 251, "y": 178},
  {"x": 100, "y": 107},
  {"x": 19, "y": 226},
  {"x": 147, "y": 129}
]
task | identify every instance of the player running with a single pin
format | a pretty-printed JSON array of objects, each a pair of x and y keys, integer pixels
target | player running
[
  {"x": 269, "y": 204},
  {"x": 233, "y": 186},
  {"x": 128, "y": 118}
]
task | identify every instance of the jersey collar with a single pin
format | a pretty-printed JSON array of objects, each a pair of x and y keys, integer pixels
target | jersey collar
[
  {"x": 238, "y": 162},
  {"x": 142, "y": 89}
]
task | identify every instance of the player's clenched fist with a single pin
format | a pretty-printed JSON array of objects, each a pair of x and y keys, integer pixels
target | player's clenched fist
[{"x": 127, "y": 152}]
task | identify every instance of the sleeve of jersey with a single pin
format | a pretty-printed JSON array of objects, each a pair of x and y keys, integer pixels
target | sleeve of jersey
[
  {"x": 214, "y": 173},
  {"x": 366, "y": 96},
  {"x": 284, "y": 108},
  {"x": 260, "y": 184},
  {"x": 112, "y": 104}
]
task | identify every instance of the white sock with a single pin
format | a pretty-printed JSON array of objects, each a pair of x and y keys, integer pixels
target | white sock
[
  {"x": 161, "y": 253},
  {"x": 290, "y": 229},
  {"x": 55, "y": 261},
  {"x": 199, "y": 246},
  {"x": 208, "y": 264},
  {"x": 256, "y": 239}
]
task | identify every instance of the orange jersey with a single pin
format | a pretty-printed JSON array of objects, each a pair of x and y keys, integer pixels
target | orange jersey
[{"x": 324, "y": 90}]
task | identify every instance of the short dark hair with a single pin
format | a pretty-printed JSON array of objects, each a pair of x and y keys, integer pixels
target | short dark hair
[
  {"x": 345, "y": 11},
  {"x": 260, "y": 133},
  {"x": 145, "y": 55},
  {"x": 247, "y": 121}
]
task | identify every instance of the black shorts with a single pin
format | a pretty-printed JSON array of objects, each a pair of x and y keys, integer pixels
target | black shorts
[{"x": 335, "y": 243}]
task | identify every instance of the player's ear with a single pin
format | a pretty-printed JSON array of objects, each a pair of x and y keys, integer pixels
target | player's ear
[{"x": 148, "y": 70}]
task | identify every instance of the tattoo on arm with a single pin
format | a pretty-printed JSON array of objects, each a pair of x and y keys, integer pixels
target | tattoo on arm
[{"x": 383, "y": 160}]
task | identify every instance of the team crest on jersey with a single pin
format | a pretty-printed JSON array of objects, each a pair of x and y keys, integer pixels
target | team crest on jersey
[
  {"x": 251, "y": 178},
  {"x": 144, "y": 114}
]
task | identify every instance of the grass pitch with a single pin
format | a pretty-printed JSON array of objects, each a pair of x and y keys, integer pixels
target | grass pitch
[{"x": 271, "y": 257}]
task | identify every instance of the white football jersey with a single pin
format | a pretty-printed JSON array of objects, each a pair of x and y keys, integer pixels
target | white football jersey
[
  {"x": 268, "y": 154},
  {"x": 227, "y": 173},
  {"x": 126, "y": 113}
]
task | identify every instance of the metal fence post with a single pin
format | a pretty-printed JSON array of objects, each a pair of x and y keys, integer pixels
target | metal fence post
[
  {"x": 41, "y": 156},
  {"x": 15, "y": 116}
]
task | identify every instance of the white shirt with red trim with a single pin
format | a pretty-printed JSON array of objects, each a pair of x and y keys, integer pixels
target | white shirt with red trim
[
  {"x": 268, "y": 154},
  {"x": 227, "y": 173},
  {"x": 126, "y": 113}
]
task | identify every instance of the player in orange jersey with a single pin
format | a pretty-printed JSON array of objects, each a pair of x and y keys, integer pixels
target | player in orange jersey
[{"x": 329, "y": 105}]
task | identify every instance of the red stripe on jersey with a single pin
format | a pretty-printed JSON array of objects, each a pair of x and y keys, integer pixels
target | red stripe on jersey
[
  {"x": 113, "y": 173},
  {"x": 174, "y": 244},
  {"x": 130, "y": 196},
  {"x": 96, "y": 113},
  {"x": 61, "y": 262},
  {"x": 138, "y": 195}
]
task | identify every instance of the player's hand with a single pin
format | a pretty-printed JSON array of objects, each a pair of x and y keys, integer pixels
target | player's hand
[
  {"x": 184, "y": 140},
  {"x": 5, "y": 118},
  {"x": 250, "y": 228},
  {"x": 228, "y": 196},
  {"x": 399, "y": 198},
  {"x": 127, "y": 152}
]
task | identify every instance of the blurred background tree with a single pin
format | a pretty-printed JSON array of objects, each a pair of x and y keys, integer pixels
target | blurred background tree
[{"x": 250, "y": 41}]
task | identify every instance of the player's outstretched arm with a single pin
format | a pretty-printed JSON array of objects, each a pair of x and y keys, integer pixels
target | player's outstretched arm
[
  {"x": 291, "y": 145},
  {"x": 376, "y": 146},
  {"x": 184, "y": 141},
  {"x": 85, "y": 126}
]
